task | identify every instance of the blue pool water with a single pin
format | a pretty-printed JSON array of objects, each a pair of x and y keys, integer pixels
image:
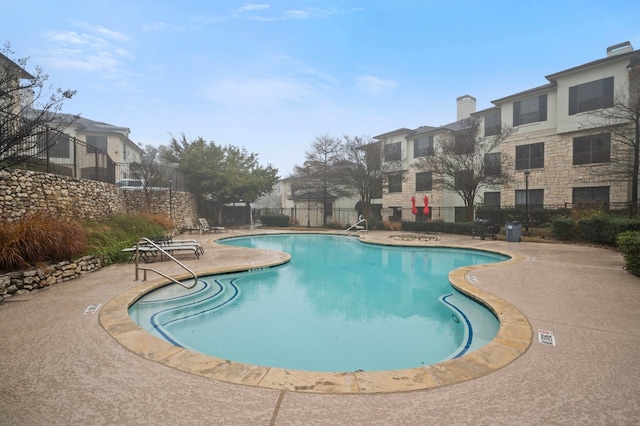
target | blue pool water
[{"x": 338, "y": 305}]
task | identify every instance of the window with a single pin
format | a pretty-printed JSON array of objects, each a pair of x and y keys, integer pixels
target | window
[
  {"x": 492, "y": 164},
  {"x": 464, "y": 180},
  {"x": 423, "y": 181},
  {"x": 99, "y": 142},
  {"x": 423, "y": 147},
  {"x": 492, "y": 124},
  {"x": 591, "y": 149},
  {"x": 392, "y": 152},
  {"x": 589, "y": 96},
  {"x": 328, "y": 209},
  {"x": 536, "y": 198},
  {"x": 492, "y": 199},
  {"x": 530, "y": 110},
  {"x": 397, "y": 214},
  {"x": 596, "y": 194},
  {"x": 464, "y": 142},
  {"x": 395, "y": 183},
  {"x": 530, "y": 156},
  {"x": 57, "y": 143}
]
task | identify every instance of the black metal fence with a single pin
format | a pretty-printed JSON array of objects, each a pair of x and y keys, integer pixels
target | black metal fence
[
  {"x": 153, "y": 176},
  {"x": 537, "y": 215},
  {"x": 341, "y": 218},
  {"x": 52, "y": 151}
]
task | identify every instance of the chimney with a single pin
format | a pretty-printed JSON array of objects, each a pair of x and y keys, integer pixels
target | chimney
[
  {"x": 619, "y": 48},
  {"x": 466, "y": 106}
]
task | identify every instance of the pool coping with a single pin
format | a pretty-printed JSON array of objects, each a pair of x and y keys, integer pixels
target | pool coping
[{"x": 513, "y": 339}]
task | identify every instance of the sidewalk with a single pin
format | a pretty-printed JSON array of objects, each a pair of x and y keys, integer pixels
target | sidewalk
[{"x": 59, "y": 366}]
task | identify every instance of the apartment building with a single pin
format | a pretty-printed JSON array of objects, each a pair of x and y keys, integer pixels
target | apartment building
[{"x": 563, "y": 148}]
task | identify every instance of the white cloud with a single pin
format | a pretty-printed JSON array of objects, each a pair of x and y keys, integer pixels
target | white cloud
[
  {"x": 94, "y": 50},
  {"x": 374, "y": 85},
  {"x": 257, "y": 92},
  {"x": 297, "y": 14},
  {"x": 113, "y": 35},
  {"x": 253, "y": 6}
]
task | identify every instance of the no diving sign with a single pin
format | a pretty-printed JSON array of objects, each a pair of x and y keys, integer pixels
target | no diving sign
[{"x": 546, "y": 337}]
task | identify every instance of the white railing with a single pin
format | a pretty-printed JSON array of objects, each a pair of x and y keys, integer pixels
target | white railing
[
  {"x": 148, "y": 243},
  {"x": 360, "y": 226}
]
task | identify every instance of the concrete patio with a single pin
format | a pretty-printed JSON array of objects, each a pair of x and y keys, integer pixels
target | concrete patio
[{"x": 59, "y": 366}]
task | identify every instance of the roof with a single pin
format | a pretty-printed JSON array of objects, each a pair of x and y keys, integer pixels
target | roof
[
  {"x": 634, "y": 55},
  {"x": 99, "y": 126},
  {"x": 553, "y": 77},
  {"x": 22, "y": 73},
  {"x": 393, "y": 132},
  {"x": 422, "y": 130},
  {"x": 535, "y": 90}
]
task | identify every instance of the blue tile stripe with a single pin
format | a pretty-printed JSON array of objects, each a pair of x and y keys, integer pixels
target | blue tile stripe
[
  {"x": 160, "y": 327},
  {"x": 468, "y": 324}
]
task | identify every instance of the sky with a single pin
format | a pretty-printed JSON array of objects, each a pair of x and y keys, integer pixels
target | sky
[{"x": 273, "y": 76}]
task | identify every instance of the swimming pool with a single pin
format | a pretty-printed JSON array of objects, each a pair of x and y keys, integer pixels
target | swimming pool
[{"x": 339, "y": 305}]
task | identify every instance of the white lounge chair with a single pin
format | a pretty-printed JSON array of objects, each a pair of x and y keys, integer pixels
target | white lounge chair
[{"x": 204, "y": 224}]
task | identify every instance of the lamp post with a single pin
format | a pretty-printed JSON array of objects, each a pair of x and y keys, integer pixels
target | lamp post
[
  {"x": 526, "y": 200},
  {"x": 170, "y": 198}
]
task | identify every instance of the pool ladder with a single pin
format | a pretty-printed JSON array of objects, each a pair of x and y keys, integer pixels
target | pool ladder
[
  {"x": 163, "y": 252},
  {"x": 358, "y": 227}
]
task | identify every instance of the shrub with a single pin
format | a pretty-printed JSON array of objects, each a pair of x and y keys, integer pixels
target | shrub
[
  {"x": 110, "y": 235},
  {"x": 463, "y": 228},
  {"x": 335, "y": 225},
  {"x": 39, "y": 238},
  {"x": 161, "y": 219},
  {"x": 278, "y": 220},
  {"x": 604, "y": 229},
  {"x": 629, "y": 244},
  {"x": 389, "y": 225},
  {"x": 563, "y": 228}
]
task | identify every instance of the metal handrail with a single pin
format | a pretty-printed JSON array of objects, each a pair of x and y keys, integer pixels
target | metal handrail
[
  {"x": 356, "y": 227},
  {"x": 145, "y": 269}
]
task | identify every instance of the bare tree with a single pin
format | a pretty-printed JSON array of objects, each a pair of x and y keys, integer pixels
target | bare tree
[
  {"x": 464, "y": 162},
  {"x": 29, "y": 111},
  {"x": 622, "y": 120},
  {"x": 152, "y": 175},
  {"x": 361, "y": 167},
  {"x": 320, "y": 178}
]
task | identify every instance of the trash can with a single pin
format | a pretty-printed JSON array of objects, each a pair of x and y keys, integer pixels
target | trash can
[{"x": 513, "y": 231}]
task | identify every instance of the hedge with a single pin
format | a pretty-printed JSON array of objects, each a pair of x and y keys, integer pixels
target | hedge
[
  {"x": 604, "y": 229},
  {"x": 563, "y": 228},
  {"x": 463, "y": 228},
  {"x": 279, "y": 220},
  {"x": 501, "y": 216},
  {"x": 629, "y": 244}
]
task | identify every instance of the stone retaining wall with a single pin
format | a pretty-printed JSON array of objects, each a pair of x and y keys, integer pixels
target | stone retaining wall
[
  {"x": 177, "y": 205},
  {"x": 24, "y": 191},
  {"x": 25, "y": 281}
]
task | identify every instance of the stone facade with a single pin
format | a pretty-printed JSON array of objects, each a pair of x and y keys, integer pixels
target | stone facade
[
  {"x": 555, "y": 115},
  {"x": 32, "y": 279},
  {"x": 177, "y": 205},
  {"x": 23, "y": 192}
]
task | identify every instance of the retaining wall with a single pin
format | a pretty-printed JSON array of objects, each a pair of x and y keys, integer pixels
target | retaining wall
[
  {"x": 32, "y": 279},
  {"x": 23, "y": 192}
]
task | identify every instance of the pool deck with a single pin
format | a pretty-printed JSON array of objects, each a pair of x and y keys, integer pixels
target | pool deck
[{"x": 59, "y": 365}]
